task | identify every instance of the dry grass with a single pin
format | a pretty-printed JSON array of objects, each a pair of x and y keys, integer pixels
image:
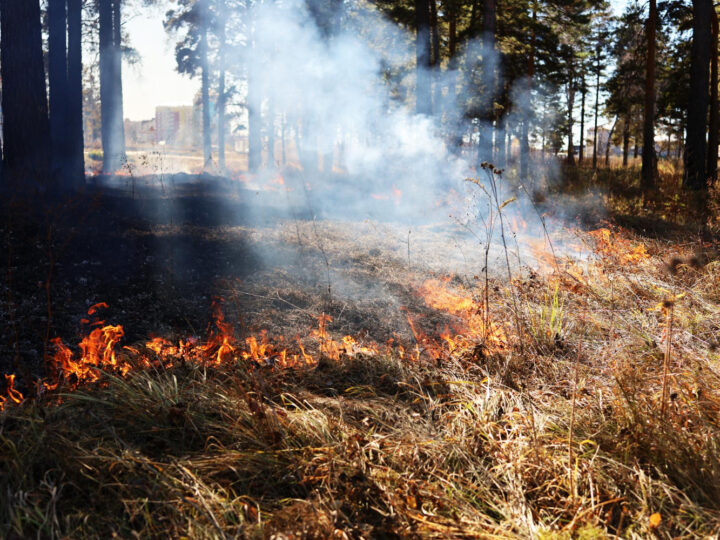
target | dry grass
[{"x": 567, "y": 436}]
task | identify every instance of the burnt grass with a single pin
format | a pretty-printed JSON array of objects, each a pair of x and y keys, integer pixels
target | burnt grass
[{"x": 159, "y": 254}]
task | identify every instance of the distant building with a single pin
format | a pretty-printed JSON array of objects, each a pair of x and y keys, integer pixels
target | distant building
[
  {"x": 140, "y": 133},
  {"x": 175, "y": 126}
]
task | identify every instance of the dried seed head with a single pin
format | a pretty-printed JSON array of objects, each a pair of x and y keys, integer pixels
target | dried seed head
[{"x": 673, "y": 264}]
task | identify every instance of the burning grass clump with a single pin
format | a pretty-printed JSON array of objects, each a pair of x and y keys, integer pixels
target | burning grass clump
[{"x": 586, "y": 406}]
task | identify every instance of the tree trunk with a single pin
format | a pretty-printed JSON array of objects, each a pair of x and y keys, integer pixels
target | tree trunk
[
  {"x": 59, "y": 94},
  {"x": 597, "y": 102},
  {"x": 526, "y": 104},
  {"x": 221, "y": 85},
  {"x": 271, "y": 133},
  {"x": 714, "y": 124},
  {"x": 583, "y": 91},
  {"x": 112, "y": 131},
  {"x": 76, "y": 166},
  {"x": 117, "y": 80},
  {"x": 488, "y": 80},
  {"x": 695, "y": 144},
  {"x": 26, "y": 128},
  {"x": 107, "y": 92},
  {"x": 571, "y": 105},
  {"x": 435, "y": 60},
  {"x": 649, "y": 162},
  {"x": 626, "y": 139},
  {"x": 423, "y": 103},
  {"x": 609, "y": 143},
  {"x": 205, "y": 88}
]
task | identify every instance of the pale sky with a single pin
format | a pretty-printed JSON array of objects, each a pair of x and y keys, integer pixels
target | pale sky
[{"x": 154, "y": 81}]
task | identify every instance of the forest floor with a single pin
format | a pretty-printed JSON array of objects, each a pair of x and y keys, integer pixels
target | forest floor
[{"x": 281, "y": 375}]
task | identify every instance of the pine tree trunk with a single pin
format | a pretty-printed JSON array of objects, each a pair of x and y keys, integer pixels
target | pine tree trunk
[
  {"x": 609, "y": 143},
  {"x": 107, "y": 93},
  {"x": 59, "y": 94},
  {"x": 597, "y": 102},
  {"x": 626, "y": 139},
  {"x": 75, "y": 95},
  {"x": 695, "y": 143},
  {"x": 117, "y": 82},
  {"x": 714, "y": 124},
  {"x": 583, "y": 91},
  {"x": 649, "y": 162},
  {"x": 526, "y": 105},
  {"x": 221, "y": 86},
  {"x": 571, "y": 106},
  {"x": 488, "y": 80},
  {"x": 423, "y": 96},
  {"x": 205, "y": 90},
  {"x": 26, "y": 128}
]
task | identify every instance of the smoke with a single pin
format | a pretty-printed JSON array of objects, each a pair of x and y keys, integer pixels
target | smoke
[{"x": 347, "y": 100}]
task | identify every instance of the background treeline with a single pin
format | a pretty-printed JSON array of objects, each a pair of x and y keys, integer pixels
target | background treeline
[{"x": 524, "y": 78}]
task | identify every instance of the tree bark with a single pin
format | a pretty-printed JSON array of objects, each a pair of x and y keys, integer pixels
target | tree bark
[
  {"x": 714, "y": 124},
  {"x": 59, "y": 92},
  {"x": 117, "y": 80},
  {"x": 583, "y": 91},
  {"x": 488, "y": 80},
  {"x": 26, "y": 128},
  {"x": 205, "y": 86},
  {"x": 526, "y": 103},
  {"x": 75, "y": 98},
  {"x": 626, "y": 139},
  {"x": 423, "y": 92},
  {"x": 571, "y": 106},
  {"x": 609, "y": 143},
  {"x": 111, "y": 108},
  {"x": 695, "y": 178},
  {"x": 649, "y": 162},
  {"x": 221, "y": 85},
  {"x": 597, "y": 102}
]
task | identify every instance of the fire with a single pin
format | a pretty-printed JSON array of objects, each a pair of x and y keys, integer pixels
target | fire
[
  {"x": 613, "y": 246},
  {"x": 473, "y": 324},
  {"x": 101, "y": 350}
]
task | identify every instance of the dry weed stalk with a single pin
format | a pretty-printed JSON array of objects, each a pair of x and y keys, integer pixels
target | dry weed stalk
[{"x": 669, "y": 306}]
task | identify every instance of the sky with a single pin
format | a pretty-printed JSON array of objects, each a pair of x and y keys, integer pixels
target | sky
[{"x": 155, "y": 81}]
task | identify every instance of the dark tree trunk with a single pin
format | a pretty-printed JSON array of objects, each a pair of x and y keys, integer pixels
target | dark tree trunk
[
  {"x": 597, "y": 102},
  {"x": 571, "y": 106},
  {"x": 649, "y": 162},
  {"x": 112, "y": 130},
  {"x": 107, "y": 93},
  {"x": 636, "y": 149},
  {"x": 526, "y": 105},
  {"x": 423, "y": 104},
  {"x": 221, "y": 85},
  {"x": 435, "y": 60},
  {"x": 609, "y": 143},
  {"x": 117, "y": 79},
  {"x": 695, "y": 143},
  {"x": 583, "y": 92},
  {"x": 205, "y": 88},
  {"x": 626, "y": 139},
  {"x": 76, "y": 166},
  {"x": 488, "y": 80},
  {"x": 59, "y": 93},
  {"x": 714, "y": 124},
  {"x": 26, "y": 128}
]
